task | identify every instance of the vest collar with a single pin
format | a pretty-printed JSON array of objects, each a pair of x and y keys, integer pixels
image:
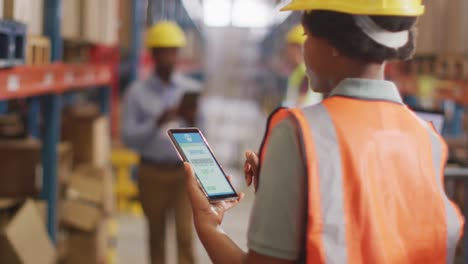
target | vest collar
[{"x": 367, "y": 89}]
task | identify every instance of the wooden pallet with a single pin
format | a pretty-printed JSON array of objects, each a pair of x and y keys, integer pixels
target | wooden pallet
[{"x": 38, "y": 50}]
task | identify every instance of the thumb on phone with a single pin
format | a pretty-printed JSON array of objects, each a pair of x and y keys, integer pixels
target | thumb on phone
[{"x": 196, "y": 195}]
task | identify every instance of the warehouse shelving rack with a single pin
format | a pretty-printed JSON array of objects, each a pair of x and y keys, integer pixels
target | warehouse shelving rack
[{"x": 44, "y": 86}]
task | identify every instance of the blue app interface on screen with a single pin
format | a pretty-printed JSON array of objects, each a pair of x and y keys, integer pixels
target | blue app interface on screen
[{"x": 204, "y": 164}]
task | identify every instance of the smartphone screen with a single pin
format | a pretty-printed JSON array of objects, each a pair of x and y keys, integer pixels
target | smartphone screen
[{"x": 193, "y": 148}]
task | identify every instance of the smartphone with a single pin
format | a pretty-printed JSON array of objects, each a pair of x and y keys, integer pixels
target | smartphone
[{"x": 193, "y": 148}]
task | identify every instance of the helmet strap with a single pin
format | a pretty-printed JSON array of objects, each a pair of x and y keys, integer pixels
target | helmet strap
[{"x": 394, "y": 40}]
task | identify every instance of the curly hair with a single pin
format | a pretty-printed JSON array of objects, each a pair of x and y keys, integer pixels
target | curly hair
[{"x": 340, "y": 30}]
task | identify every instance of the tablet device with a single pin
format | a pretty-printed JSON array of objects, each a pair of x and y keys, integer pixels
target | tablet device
[{"x": 193, "y": 148}]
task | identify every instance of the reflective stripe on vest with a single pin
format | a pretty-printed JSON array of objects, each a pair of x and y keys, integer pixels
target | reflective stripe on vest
[
  {"x": 351, "y": 217},
  {"x": 454, "y": 218},
  {"x": 331, "y": 231}
]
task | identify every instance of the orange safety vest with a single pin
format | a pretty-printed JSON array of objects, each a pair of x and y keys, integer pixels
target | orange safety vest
[{"x": 375, "y": 184}]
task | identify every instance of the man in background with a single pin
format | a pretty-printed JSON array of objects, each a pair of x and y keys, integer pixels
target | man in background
[
  {"x": 151, "y": 107},
  {"x": 298, "y": 93}
]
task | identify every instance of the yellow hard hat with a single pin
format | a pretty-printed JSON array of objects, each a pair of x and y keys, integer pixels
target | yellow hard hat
[
  {"x": 360, "y": 7},
  {"x": 165, "y": 34},
  {"x": 296, "y": 35}
]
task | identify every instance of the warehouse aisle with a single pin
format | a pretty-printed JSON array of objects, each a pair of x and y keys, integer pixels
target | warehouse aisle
[{"x": 132, "y": 247}]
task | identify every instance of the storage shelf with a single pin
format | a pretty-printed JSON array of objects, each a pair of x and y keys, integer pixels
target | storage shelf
[{"x": 28, "y": 81}]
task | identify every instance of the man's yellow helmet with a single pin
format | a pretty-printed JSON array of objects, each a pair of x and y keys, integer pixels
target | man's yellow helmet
[
  {"x": 360, "y": 7},
  {"x": 165, "y": 34}
]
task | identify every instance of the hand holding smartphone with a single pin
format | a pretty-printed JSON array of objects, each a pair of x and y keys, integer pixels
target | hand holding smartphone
[{"x": 193, "y": 148}]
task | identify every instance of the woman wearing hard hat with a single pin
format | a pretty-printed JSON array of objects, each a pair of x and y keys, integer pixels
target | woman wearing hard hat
[
  {"x": 357, "y": 178},
  {"x": 295, "y": 96}
]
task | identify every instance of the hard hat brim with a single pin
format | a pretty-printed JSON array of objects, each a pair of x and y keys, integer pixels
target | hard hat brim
[
  {"x": 353, "y": 10},
  {"x": 161, "y": 45},
  {"x": 292, "y": 7}
]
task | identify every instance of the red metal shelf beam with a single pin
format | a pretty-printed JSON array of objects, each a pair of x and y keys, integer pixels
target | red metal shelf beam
[{"x": 28, "y": 81}]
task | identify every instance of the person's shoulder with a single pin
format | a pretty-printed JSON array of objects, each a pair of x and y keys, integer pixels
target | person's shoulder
[
  {"x": 140, "y": 86},
  {"x": 286, "y": 125},
  {"x": 136, "y": 85}
]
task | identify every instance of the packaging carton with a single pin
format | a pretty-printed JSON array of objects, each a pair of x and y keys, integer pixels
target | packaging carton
[
  {"x": 89, "y": 134},
  {"x": 91, "y": 21},
  {"x": 65, "y": 162},
  {"x": 87, "y": 247},
  {"x": 20, "y": 174},
  {"x": 86, "y": 240},
  {"x": 71, "y": 19},
  {"x": 24, "y": 240},
  {"x": 102, "y": 190},
  {"x": 29, "y": 12},
  {"x": 80, "y": 216}
]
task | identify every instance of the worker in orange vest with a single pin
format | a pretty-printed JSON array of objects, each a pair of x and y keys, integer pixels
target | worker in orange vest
[{"x": 357, "y": 178}]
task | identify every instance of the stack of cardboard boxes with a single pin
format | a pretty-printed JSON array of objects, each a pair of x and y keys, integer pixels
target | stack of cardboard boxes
[
  {"x": 85, "y": 193},
  {"x": 88, "y": 202},
  {"x": 85, "y": 214},
  {"x": 29, "y": 12},
  {"x": 91, "y": 21},
  {"x": 23, "y": 233}
]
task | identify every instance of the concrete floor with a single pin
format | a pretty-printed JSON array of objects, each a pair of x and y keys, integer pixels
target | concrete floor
[{"x": 132, "y": 241}]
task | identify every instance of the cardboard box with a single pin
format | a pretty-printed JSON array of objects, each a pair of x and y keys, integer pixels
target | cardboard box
[
  {"x": 86, "y": 240},
  {"x": 91, "y": 21},
  {"x": 100, "y": 21},
  {"x": 93, "y": 185},
  {"x": 65, "y": 162},
  {"x": 79, "y": 215},
  {"x": 17, "y": 10},
  {"x": 108, "y": 193},
  {"x": 89, "y": 134},
  {"x": 24, "y": 239},
  {"x": 36, "y": 24},
  {"x": 12, "y": 127},
  {"x": 109, "y": 31},
  {"x": 62, "y": 245},
  {"x": 71, "y": 19},
  {"x": 41, "y": 206},
  {"x": 7, "y": 209},
  {"x": 29, "y": 12},
  {"x": 20, "y": 168},
  {"x": 86, "y": 188},
  {"x": 88, "y": 247}
]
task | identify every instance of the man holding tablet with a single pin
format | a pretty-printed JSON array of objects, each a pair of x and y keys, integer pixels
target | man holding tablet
[{"x": 151, "y": 107}]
